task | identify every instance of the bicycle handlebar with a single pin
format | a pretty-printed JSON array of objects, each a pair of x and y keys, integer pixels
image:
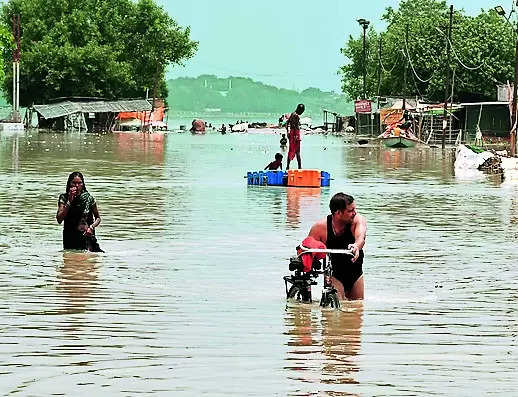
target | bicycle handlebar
[{"x": 324, "y": 251}]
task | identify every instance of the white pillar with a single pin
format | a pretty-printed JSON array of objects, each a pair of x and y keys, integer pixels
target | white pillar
[
  {"x": 14, "y": 88},
  {"x": 17, "y": 86}
]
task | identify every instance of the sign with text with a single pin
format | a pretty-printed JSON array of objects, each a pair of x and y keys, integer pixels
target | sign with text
[{"x": 362, "y": 106}]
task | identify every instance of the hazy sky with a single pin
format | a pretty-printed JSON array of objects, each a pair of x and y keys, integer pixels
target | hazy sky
[{"x": 288, "y": 43}]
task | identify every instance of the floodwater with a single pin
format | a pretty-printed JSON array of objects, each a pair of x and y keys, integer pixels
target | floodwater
[{"x": 189, "y": 299}]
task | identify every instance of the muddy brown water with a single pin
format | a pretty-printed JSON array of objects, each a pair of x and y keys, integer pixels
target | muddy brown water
[{"x": 189, "y": 298}]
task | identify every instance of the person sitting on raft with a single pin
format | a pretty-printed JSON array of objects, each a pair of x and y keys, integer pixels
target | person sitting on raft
[
  {"x": 79, "y": 210},
  {"x": 277, "y": 163},
  {"x": 283, "y": 140}
]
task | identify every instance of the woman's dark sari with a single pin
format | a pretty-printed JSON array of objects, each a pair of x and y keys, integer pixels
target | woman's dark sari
[{"x": 77, "y": 220}]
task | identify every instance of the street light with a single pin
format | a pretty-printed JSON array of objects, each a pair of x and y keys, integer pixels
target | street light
[
  {"x": 512, "y": 135},
  {"x": 500, "y": 11},
  {"x": 364, "y": 24}
]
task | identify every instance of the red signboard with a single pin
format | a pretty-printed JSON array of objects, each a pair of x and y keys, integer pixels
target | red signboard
[{"x": 362, "y": 106}]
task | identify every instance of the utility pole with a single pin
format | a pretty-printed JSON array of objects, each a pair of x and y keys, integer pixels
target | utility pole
[
  {"x": 379, "y": 67},
  {"x": 16, "y": 70},
  {"x": 406, "y": 65},
  {"x": 447, "y": 85},
  {"x": 379, "y": 80},
  {"x": 364, "y": 24},
  {"x": 364, "y": 65},
  {"x": 515, "y": 90},
  {"x": 512, "y": 134},
  {"x": 149, "y": 127}
]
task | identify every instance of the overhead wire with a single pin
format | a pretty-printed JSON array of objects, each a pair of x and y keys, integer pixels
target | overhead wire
[
  {"x": 416, "y": 75},
  {"x": 383, "y": 67},
  {"x": 482, "y": 66},
  {"x": 417, "y": 87},
  {"x": 412, "y": 66},
  {"x": 456, "y": 55}
]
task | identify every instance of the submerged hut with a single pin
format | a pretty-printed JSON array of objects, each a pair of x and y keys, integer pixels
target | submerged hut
[{"x": 83, "y": 114}]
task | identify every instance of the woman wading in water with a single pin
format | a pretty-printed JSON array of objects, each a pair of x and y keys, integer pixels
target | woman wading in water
[{"x": 79, "y": 210}]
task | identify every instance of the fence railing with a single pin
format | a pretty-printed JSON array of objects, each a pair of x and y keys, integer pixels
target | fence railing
[{"x": 451, "y": 137}]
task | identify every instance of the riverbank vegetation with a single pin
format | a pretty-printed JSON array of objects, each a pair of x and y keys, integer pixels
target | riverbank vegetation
[
  {"x": 110, "y": 49},
  {"x": 482, "y": 54}
]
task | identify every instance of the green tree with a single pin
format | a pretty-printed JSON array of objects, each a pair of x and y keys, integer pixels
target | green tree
[
  {"x": 485, "y": 44},
  {"x": 481, "y": 56},
  {"x": 6, "y": 46},
  {"x": 96, "y": 48},
  {"x": 352, "y": 72}
]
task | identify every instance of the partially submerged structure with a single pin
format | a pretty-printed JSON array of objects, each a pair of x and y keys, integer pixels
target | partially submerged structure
[
  {"x": 13, "y": 121},
  {"x": 492, "y": 120},
  {"x": 83, "y": 114},
  {"x": 149, "y": 121},
  {"x": 335, "y": 122},
  {"x": 469, "y": 122}
]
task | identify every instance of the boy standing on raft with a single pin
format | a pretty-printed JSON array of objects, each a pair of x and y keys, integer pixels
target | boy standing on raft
[{"x": 293, "y": 130}]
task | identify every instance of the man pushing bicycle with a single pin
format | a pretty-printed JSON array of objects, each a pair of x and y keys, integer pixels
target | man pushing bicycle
[{"x": 344, "y": 229}]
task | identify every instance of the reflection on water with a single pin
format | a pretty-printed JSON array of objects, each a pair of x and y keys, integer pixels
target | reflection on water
[
  {"x": 16, "y": 153},
  {"x": 513, "y": 218},
  {"x": 190, "y": 289},
  {"x": 299, "y": 199},
  {"x": 77, "y": 279},
  {"x": 324, "y": 345},
  {"x": 341, "y": 343},
  {"x": 148, "y": 147}
]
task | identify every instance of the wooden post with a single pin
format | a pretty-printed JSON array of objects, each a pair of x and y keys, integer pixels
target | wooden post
[{"x": 466, "y": 122}]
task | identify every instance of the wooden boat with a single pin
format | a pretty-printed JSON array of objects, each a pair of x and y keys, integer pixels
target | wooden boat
[
  {"x": 396, "y": 137},
  {"x": 393, "y": 141}
]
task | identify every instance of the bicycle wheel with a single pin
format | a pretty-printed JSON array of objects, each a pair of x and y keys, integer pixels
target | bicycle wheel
[
  {"x": 330, "y": 299},
  {"x": 294, "y": 292},
  {"x": 300, "y": 294},
  {"x": 334, "y": 301}
]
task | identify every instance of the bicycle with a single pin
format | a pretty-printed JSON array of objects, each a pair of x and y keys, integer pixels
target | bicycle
[{"x": 301, "y": 281}]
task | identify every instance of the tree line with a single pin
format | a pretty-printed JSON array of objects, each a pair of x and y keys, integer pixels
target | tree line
[
  {"x": 409, "y": 56},
  {"x": 91, "y": 48},
  {"x": 241, "y": 94}
]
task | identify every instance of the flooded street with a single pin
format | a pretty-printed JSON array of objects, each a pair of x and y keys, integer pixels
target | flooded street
[{"x": 189, "y": 298}]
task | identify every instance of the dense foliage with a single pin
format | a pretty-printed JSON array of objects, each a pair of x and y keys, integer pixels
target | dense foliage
[
  {"x": 482, "y": 54},
  {"x": 6, "y": 46},
  {"x": 95, "y": 48},
  {"x": 241, "y": 95}
]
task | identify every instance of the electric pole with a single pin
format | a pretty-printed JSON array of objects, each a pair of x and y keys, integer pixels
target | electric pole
[
  {"x": 364, "y": 24},
  {"x": 379, "y": 67},
  {"x": 405, "y": 69},
  {"x": 16, "y": 70},
  {"x": 515, "y": 90},
  {"x": 447, "y": 85}
]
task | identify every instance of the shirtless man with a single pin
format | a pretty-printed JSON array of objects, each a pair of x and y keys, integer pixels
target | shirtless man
[
  {"x": 293, "y": 130},
  {"x": 344, "y": 229}
]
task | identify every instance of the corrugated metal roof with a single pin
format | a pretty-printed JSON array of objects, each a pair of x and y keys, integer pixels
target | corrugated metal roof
[
  {"x": 61, "y": 109},
  {"x": 484, "y": 103},
  {"x": 57, "y": 109}
]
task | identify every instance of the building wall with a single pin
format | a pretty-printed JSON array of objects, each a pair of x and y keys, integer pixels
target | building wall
[{"x": 494, "y": 121}]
